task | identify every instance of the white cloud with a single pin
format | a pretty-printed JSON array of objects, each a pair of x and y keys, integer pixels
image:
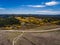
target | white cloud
[
  {"x": 36, "y": 6},
  {"x": 51, "y": 3},
  {"x": 48, "y": 12}
]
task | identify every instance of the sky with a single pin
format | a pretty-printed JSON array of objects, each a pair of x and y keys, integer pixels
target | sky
[{"x": 29, "y": 6}]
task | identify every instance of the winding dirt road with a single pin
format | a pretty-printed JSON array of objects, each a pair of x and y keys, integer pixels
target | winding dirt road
[
  {"x": 18, "y": 37},
  {"x": 22, "y": 36},
  {"x": 30, "y": 30}
]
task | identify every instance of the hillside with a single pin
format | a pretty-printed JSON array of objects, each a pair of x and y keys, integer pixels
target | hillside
[{"x": 20, "y": 21}]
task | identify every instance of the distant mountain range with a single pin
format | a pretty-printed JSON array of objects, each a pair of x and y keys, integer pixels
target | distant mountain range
[{"x": 30, "y": 15}]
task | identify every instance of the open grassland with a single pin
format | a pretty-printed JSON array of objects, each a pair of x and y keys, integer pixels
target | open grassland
[
  {"x": 6, "y": 38},
  {"x": 46, "y": 27},
  {"x": 12, "y": 35},
  {"x": 45, "y": 38},
  {"x": 30, "y": 38}
]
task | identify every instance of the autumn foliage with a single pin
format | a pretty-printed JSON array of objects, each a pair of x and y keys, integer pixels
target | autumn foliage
[{"x": 19, "y": 22}]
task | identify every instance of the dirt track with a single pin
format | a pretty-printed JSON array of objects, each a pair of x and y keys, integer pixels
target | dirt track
[
  {"x": 51, "y": 38},
  {"x": 33, "y": 38}
]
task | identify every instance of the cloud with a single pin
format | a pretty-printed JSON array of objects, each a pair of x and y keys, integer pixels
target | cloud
[
  {"x": 51, "y": 3},
  {"x": 35, "y": 6},
  {"x": 48, "y": 12},
  {"x": 2, "y": 8}
]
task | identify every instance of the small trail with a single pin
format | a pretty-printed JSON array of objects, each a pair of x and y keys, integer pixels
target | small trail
[{"x": 16, "y": 38}]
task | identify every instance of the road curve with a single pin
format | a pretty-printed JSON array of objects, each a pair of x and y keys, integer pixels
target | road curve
[
  {"x": 18, "y": 37},
  {"x": 30, "y": 30}
]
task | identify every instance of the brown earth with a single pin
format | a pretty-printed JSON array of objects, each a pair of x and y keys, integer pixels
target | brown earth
[{"x": 47, "y": 38}]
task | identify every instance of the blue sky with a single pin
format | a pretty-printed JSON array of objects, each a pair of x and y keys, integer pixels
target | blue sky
[{"x": 29, "y": 6}]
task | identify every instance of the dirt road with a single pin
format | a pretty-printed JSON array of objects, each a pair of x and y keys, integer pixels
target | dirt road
[
  {"x": 30, "y": 30},
  {"x": 31, "y": 37}
]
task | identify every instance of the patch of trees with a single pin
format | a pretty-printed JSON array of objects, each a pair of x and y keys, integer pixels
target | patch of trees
[
  {"x": 8, "y": 21},
  {"x": 12, "y": 20}
]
